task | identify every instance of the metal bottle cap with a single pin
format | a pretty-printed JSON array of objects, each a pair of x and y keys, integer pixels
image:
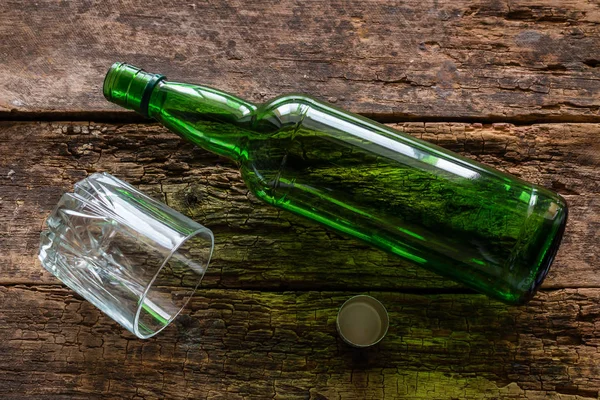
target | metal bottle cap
[{"x": 362, "y": 321}]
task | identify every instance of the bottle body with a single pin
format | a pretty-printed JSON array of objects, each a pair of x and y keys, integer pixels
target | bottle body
[
  {"x": 478, "y": 226},
  {"x": 488, "y": 230}
]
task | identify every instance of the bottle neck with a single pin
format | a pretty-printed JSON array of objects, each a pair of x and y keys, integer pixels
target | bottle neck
[
  {"x": 209, "y": 118},
  {"x": 130, "y": 87}
]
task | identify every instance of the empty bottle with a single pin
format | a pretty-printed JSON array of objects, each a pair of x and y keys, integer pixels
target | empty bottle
[{"x": 488, "y": 230}]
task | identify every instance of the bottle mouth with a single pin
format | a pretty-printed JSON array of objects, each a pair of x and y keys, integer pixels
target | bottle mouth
[
  {"x": 109, "y": 80},
  {"x": 129, "y": 86}
]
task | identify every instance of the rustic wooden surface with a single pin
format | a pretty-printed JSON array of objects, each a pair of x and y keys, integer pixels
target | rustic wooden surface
[
  {"x": 513, "y": 84},
  {"x": 480, "y": 59}
]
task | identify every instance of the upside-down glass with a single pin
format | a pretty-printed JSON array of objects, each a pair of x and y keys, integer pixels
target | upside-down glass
[{"x": 134, "y": 258}]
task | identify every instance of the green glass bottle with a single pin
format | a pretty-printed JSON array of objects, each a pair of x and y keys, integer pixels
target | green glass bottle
[{"x": 488, "y": 230}]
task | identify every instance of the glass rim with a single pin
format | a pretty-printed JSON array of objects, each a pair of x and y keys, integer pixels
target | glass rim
[{"x": 150, "y": 284}]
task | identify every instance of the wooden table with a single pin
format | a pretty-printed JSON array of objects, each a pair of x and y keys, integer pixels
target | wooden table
[{"x": 514, "y": 84}]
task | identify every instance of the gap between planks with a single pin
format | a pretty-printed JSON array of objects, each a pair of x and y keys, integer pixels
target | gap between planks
[
  {"x": 305, "y": 289},
  {"x": 387, "y": 118}
]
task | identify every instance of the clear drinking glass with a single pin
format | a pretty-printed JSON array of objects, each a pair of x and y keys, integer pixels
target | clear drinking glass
[{"x": 134, "y": 258}]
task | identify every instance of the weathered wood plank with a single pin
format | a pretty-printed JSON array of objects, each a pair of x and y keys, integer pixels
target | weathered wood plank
[
  {"x": 489, "y": 59},
  {"x": 259, "y": 246},
  {"x": 242, "y": 344}
]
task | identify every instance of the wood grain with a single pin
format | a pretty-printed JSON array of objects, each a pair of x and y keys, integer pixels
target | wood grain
[
  {"x": 519, "y": 82},
  {"x": 259, "y": 246},
  {"x": 234, "y": 344},
  {"x": 491, "y": 60}
]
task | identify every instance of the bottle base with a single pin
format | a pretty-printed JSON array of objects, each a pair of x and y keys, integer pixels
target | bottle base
[{"x": 547, "y": 260}]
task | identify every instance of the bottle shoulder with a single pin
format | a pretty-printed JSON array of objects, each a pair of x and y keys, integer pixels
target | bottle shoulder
[
  {"x": 292, "y": 96},
  {"x": 285, "y": 102},
  {"x": 283, "y": 111}
]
